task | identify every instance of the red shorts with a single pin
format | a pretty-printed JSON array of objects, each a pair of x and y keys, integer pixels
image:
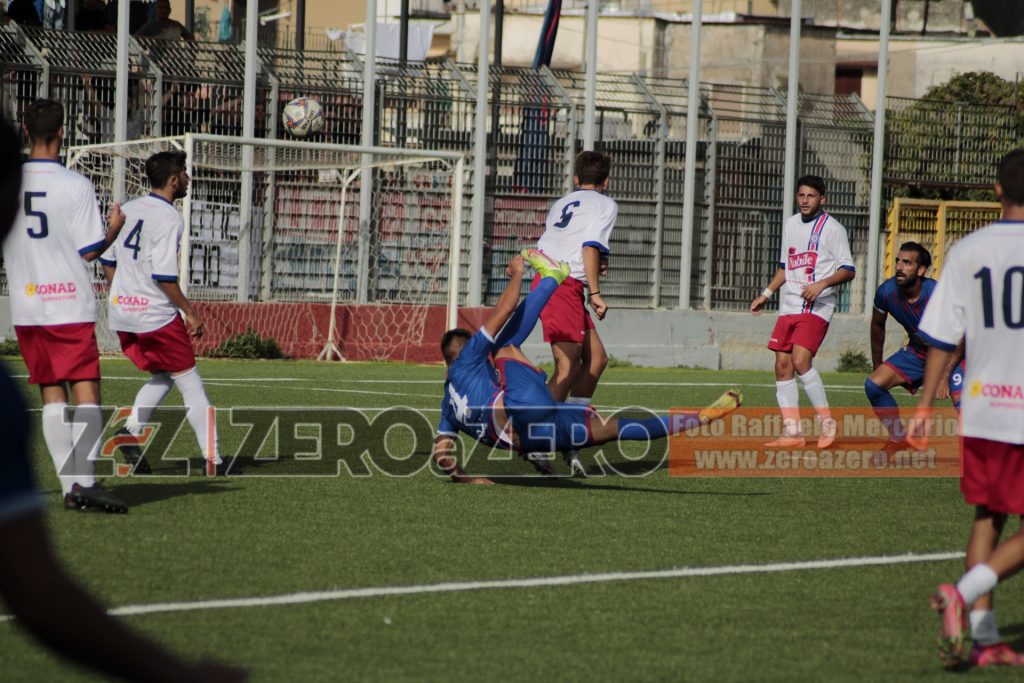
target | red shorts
[
  {"x": 565, "y": 318},
  {"x": 803, "y": 329},
  {"x": 59, "y": 353},
  {"x": 992, "y": 474},
  {"x": 168, "y": 349}
]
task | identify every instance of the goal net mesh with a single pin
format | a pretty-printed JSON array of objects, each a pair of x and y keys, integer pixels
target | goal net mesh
[{"x": 334, "y": 233}]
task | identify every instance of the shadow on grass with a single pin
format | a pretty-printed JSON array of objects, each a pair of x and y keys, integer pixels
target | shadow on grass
[
  {"x": 566, "y": 482},
  {"x": 141, "y": 492}
]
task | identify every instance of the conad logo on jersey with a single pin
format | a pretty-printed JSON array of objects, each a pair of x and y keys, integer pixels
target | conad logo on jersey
[
  {"x": 129, "y": 300},
  {"x": 804, "y": 260},
  {"x": 46, "y": 288},
  {"x": 996, "y": 390}
]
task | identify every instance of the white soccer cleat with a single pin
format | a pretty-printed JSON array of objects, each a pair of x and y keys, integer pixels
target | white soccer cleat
[
  {"x": 828, "y": 432},
  {"x": 572, "y": 459}
]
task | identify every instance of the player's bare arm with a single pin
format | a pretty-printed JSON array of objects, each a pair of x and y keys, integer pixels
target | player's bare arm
[
  {"x": 757, "y": 305},
  {"x": 443, "y": 455},
  {"x": 811, "y": 291},
  {"x": 108, "y": 273},
  {"x": 942, "y": 391},
  {"x": 935, "y": 366},
  {"x": 509, "y": 298},
  {"x": 196, "y": 325},
  {"x": 877, "y": 337},
  {"x": 115, "y": 221},
  {"x": 592, "y": 267}
]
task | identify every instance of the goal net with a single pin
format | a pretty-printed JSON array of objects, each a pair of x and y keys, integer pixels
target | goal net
[{"x": 333, "y": 251}]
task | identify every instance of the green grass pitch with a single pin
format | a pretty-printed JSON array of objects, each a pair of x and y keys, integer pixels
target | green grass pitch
[{"x": 195, "y": 540}]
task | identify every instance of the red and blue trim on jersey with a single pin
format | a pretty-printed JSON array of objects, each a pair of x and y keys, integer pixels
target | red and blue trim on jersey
[{"x": 812, "y": 245}]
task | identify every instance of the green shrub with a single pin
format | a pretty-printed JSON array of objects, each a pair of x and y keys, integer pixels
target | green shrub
[
  {"x": 854, "y": 360},
  {"x": 9, "y": 347},
  {"x": 248, "y": 345}
]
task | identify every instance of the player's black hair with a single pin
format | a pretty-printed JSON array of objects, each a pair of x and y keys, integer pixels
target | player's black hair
[
  {"x": 924, "y": 257},
  {"x": 592, "y": 168},
  {"x": 43, "y": 120},
  {"x": 10, "y": 176},
  {"x": 449, "y": 337},
  {"x": 1011, "y": 176},
  {"x": 162, "y": 166},
  {"x": 815, "y": 182}
]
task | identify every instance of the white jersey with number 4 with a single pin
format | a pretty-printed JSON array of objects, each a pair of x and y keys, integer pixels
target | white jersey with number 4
[
  {"x": 59, "y": 221},
  {"x": 811, "y": 252},
  {"x": 980, "y": 297},
  {"x": 145, "y": 253},
  {"x": 583, "y": 218}
]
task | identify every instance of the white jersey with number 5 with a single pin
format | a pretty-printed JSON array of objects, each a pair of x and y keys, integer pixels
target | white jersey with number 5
[
  {"x": 811, "y": 252},
  {"x": 980, "y": 297},
  {"x": 583, "y": 218},
  {"x": 59, "y": 221},
  {"x": 145, "y": 253}
]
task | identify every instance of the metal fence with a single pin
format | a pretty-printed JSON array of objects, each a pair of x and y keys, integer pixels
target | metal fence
[{"x": 535, "y": 129}]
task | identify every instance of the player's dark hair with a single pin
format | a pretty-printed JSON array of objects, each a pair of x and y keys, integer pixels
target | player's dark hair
[
  {"x": 43, "y": 120},
  {"x": 1011, "y": 176},
  {"x": 815, "y": 182},
  {"x": 10, "y": 176},
  {"x": 449, "y": 337},
  {"x": 924, "y": 257},
  {"x": 592, "y": 168},
  {"x": 163, "y": 166}
]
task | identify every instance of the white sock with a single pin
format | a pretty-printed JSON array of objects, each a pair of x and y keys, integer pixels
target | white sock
[
  {"x": 578, "y": 400},
  {"x": 194, "y": 396},
  {"x": 146, "y": 401},
  {"x": 788, "y": 397},
  {"x": 980, "y": 579},
  {"x": 87, "y": 431},
  {"x": 983, "y": 627},
  {"x": 815, "y": 391},
  {"x": 58, "y": 438}
]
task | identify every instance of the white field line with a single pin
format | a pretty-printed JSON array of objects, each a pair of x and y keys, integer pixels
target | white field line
[{"x": 536, "y": 582}]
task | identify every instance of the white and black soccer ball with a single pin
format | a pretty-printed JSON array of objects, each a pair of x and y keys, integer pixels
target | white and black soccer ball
[{"x": 302, "y": 116}]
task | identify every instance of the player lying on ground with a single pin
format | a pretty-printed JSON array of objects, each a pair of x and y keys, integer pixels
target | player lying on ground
[
  {"x": 978, "y": 300},
  {"x": 905, "y": 296},
  {"x": 519, "y": 413},
  {"x": 144, "y": 303}
]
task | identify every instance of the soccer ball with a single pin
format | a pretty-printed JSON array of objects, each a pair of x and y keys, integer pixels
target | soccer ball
[{"x": 302, "y": 116}]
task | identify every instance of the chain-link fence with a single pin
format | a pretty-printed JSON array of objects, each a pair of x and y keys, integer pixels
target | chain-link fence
[{"x": 535, "y": 128}]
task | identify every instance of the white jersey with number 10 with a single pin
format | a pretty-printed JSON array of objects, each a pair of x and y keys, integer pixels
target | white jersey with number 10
[{"x": 145, "y": 253}]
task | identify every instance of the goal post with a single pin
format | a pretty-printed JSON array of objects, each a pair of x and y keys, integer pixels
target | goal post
[{"x": 297, "y": 276}]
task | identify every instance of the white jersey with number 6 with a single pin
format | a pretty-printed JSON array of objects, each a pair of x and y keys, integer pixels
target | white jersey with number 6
[
  {"x": 145, "y": 253},
  {"x": 583, "y": 218},
  {"x": 980, "y": 297},
  {"x": 59, "y": 221}
]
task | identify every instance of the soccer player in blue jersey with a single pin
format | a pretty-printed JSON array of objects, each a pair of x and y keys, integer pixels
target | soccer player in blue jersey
[
  {"x": 904, "y": 297},
  {"x": 495, "y": 394}
]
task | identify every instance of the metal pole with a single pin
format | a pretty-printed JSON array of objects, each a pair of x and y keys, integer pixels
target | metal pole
[
  {"x": 690, "y": 172},
  {"x": 366, "y": 173},
  {"x": 121, "y": 98},
  {"x": 455, "y": 248},
  {"x": 403, "y": 33},
  {"x": 248, "y": 131},
  {"x": 190, "y": 15},
  {"x": 499, "y": 30},
  {"x": 70, "y": 10},
  {"x": 590, "y": 86},
  {"x": 476, "y": 235},
  {"x": 877, "y": 150},
  {"x": 788, "y": 189},
  {"x": 300, "y": 25}
]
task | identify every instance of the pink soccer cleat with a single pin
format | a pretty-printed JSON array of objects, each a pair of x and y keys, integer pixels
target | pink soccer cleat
[
  {"x": 1000, "y": 654},
  {"x": 947, "y": 601}
]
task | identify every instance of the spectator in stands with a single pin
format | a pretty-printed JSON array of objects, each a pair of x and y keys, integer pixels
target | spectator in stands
[
  {"x": 23, "y": 13},
  {"x": 95, "y": 15},
  {"x": 163, "y": 26}
]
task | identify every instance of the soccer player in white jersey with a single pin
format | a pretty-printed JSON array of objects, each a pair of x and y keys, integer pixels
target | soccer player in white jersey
[
  {"x": 57, "y": 231},
  {"x": 980, "y": 299},
  {"x": 815, "y": 260},
  {"x": 145, "y": 299},
  {"x": 578, "y": 231}
]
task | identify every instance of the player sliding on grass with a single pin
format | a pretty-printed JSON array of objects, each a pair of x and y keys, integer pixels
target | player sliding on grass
[{"x": 516, "y": 411}]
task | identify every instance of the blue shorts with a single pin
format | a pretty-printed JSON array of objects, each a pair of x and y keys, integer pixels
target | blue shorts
[
  {"x": 542, "y": 424},
  {"x": 910, "y": 367}
]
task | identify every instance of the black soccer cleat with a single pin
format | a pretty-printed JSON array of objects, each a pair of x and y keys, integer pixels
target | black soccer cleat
[
  {"x": 94, "y": 497},
  {"x": 131, "y": 452}
]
